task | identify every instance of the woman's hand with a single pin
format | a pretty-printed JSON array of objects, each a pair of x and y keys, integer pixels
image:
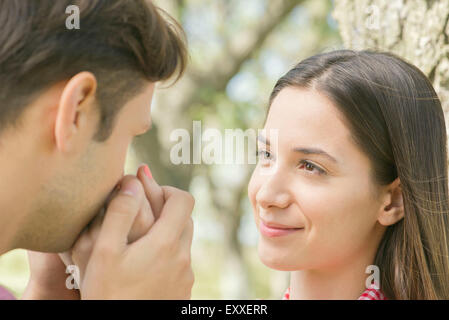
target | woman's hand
[{"x": 157, "y": 265}]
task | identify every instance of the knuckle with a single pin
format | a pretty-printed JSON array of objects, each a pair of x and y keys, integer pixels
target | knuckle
[
  {"x": 149, "y": 220},
  {"x": 187, "y": 283},
  {"x": 188, "y": 295},
  {"x": 185, "y": 260},
  {"x": 83, "y": 245},
  {"x": 121, "y": 204},
  {"x": 144, "y": 219},
  {"x": 158, "y": 192},
  {"x": 188, "y": 229},
  {"x": 104, "y": 251},
  {"x": 137, "y": 185},
  {"x": 191, "y": 279},
  {"x": 189, "y": 199},
  {"x": 170, "y": 244},
  {"x": 127, "y": 178},
  {"x": 186, "y": 276},
  {"x": 183, "y": 196},
  {"x": 165, "y": 246}
]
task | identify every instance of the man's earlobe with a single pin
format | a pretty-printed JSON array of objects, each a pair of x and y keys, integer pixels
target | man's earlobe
[
  {"x": 393, "y": 208},
  {"x": 71, "y": 110}
]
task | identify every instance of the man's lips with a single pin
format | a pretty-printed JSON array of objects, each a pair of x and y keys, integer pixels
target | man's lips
[{"x": 271, "y": 229}]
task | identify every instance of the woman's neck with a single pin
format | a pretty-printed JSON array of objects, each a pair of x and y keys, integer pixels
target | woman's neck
[
  {"x": 321, "y": 285},
  {"x": 346, "y": 281}
]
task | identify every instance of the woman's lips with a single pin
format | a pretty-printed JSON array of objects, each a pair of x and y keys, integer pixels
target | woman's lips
[{"x": 275, "y": 230}]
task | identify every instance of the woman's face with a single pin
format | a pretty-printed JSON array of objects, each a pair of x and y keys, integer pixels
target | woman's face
[{"x": 313, "y": 197}]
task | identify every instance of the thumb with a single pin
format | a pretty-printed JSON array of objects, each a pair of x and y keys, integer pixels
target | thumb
[{"x": 120, "y": 216}]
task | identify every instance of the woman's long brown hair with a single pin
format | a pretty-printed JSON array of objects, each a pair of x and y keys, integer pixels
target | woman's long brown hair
[{"x": 396, "y": 118}]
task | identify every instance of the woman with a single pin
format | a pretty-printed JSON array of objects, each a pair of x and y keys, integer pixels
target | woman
[
  {"x": 356, "y": 180},
  {"x": 360, "y": 180}
]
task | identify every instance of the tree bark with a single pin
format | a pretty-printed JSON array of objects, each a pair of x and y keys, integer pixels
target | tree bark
[{"x": 415, "y": 30}]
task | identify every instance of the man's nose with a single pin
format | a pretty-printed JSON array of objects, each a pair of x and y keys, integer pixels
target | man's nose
[{"x": 274, "y": 192}]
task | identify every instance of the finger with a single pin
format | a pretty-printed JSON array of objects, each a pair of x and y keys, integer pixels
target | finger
[
  {"x": 82, "y": 251},
  {"x": 120, "y": 216},
  {"x": 82, "y": 248},
  {"x": 95, "y": 224},
  {"x": 66, "y": 257},
  {"x": 187, "y": 236},
  {"x": 97, "y": 221},
  {"x": 94, "y": 228},
  {"x": 153, "y": 191},
  {"x": 114, "y": 192},
  {"x": 142, "y": 223},
  {"x": 176, "y": 211}
]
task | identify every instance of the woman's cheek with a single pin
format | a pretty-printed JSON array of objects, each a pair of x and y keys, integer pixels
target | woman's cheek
[
  {"x": 338, "y": 227},
  {"x": 323, "y": 212},
  {"x": 253, "y": 186}
]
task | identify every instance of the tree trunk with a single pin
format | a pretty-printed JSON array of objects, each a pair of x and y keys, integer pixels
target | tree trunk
[{"x": 415, "y": 30}]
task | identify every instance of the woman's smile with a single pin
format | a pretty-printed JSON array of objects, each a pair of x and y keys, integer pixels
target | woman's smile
[{"x": 271, "y": 229}]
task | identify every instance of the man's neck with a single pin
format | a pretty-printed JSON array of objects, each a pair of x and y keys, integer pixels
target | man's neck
[
  {"x": 12, "y": 208},
  {"x": 17, "y": 191}
]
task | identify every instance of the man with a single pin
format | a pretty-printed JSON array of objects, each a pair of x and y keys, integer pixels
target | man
[{"x": 71, "y": 100}]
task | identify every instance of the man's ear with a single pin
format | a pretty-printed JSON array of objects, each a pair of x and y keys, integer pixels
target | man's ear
[
  {"x": 74, "y": 107},
  {"x": 392, "y": 209}
]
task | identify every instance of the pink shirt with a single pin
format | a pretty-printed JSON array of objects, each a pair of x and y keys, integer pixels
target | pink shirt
[
  {"x": 369, "y": 294},
  {"x": 5, "y": 294}
]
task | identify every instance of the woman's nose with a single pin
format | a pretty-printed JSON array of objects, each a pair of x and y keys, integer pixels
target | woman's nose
[{"x": 274, "y": 193}]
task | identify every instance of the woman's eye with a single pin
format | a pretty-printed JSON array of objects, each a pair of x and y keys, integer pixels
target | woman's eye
[
  {"x": 263, "y": 155},
  {"x": 308, "y": 166}
]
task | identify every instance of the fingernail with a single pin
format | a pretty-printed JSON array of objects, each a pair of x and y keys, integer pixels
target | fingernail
[
  {"x": 147, "y": 172},
  {"x": 129, "y": 188}
]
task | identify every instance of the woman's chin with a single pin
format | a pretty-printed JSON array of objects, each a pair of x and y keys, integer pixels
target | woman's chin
[{"x": 277, "y": 260}]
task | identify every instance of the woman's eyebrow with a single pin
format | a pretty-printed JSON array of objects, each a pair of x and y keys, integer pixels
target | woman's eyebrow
[
  {"x": 263, "y": 140},
  {"x": 314, "y": 151},
  {"x": 302, "y": 149}
]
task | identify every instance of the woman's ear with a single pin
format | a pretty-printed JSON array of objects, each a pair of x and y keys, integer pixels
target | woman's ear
[
  {"x": 74, "y": 106},
  {"x": 392, "y": 209}
]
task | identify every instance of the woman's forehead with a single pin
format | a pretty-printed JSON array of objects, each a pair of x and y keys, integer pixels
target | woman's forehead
[
  {"x": 306, "y": 119},
  {"x": 306, "y": 115}
]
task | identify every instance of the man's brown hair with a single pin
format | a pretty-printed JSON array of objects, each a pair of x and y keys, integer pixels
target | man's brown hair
[{"x": 122, "y": 42}]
